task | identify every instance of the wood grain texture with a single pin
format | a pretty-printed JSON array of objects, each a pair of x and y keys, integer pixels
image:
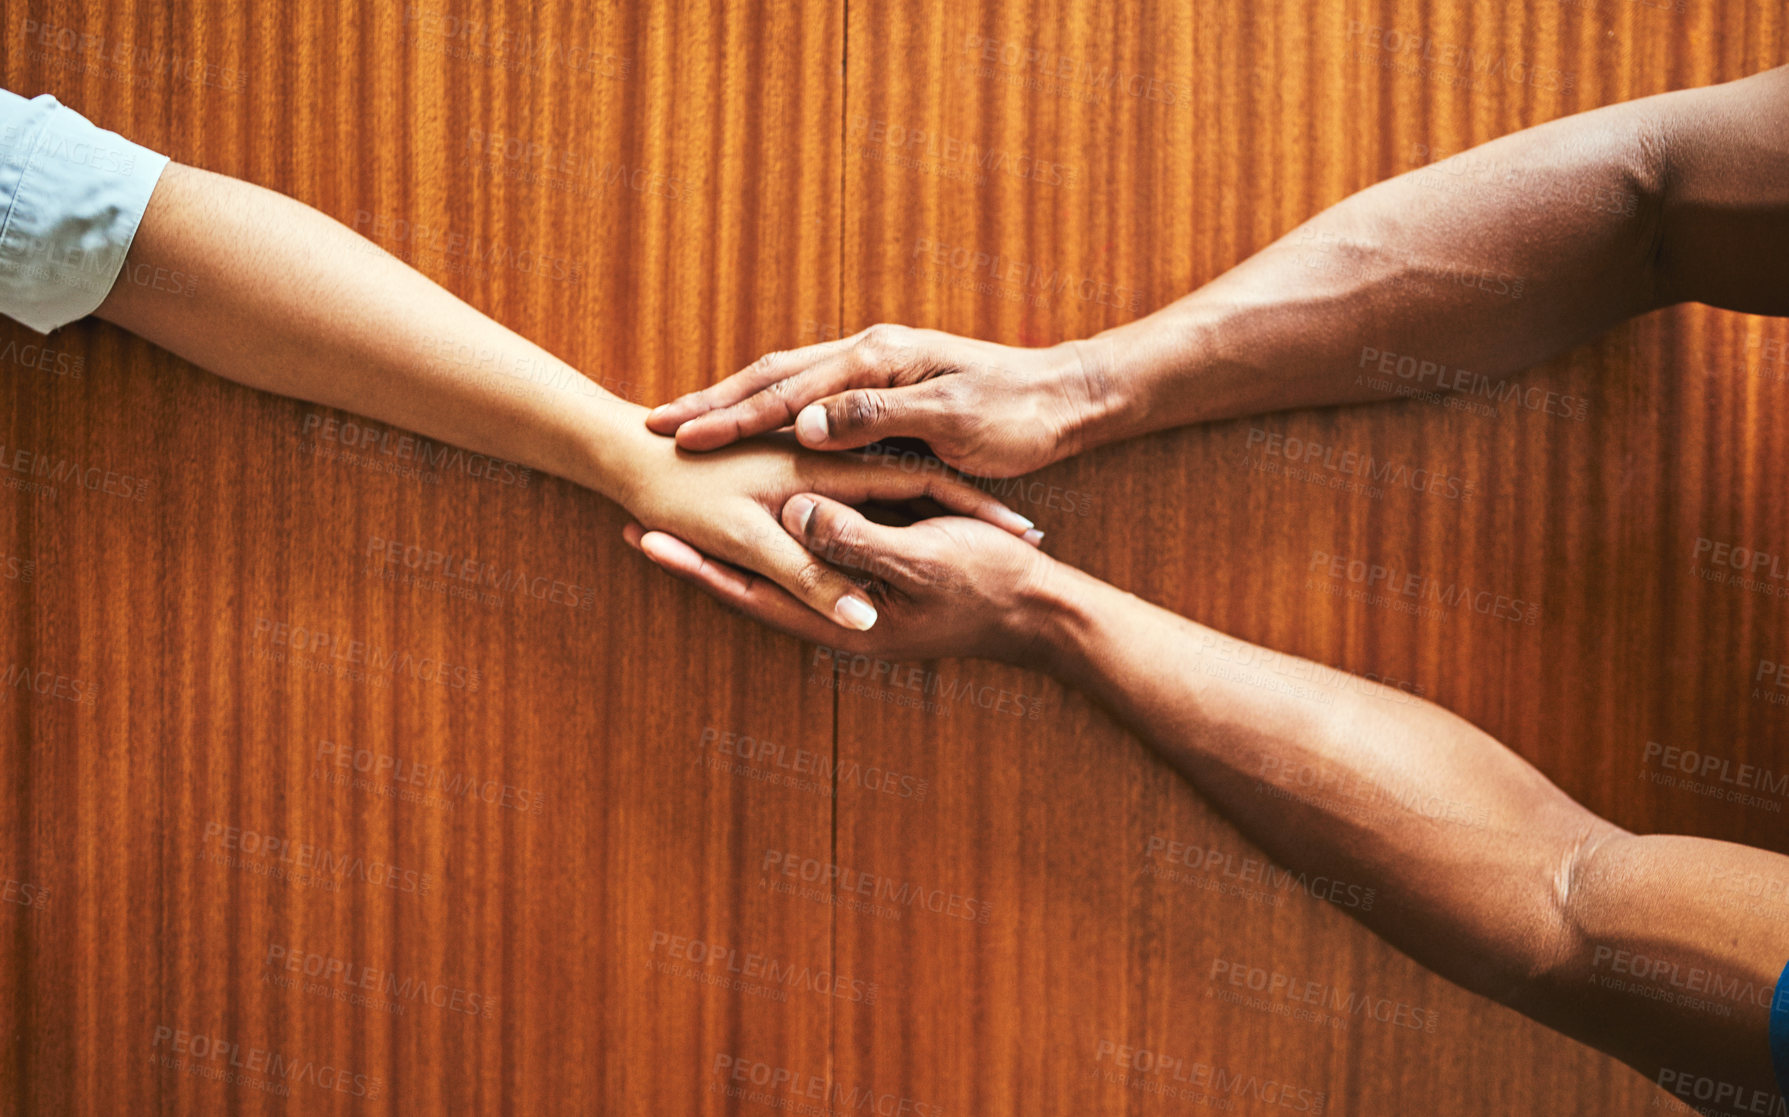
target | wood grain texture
[{"x": 658, "y": 193}]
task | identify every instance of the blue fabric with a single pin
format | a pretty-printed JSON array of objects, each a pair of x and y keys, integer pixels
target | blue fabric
[
  {"x": 71, "y": 196},
  {"x": 1779, "y": 1032}
]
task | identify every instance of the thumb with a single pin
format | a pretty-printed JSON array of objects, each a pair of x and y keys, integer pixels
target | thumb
[
  {"x": 929, "y": 411},
  {"x": 843, "y": 537}
]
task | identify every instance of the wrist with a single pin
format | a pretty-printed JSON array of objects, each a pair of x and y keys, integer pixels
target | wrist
[
  {"x": 1104, "y": 390},
  {"x": 615, "y": 449},
  {"x": 1051, "y": 625},
  {"x": 1138, "y": 377}
]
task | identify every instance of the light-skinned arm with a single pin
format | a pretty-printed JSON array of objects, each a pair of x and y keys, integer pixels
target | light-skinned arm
[
  {"x": 1447, "y": 278},
  {"x": 288, "y": 300}
]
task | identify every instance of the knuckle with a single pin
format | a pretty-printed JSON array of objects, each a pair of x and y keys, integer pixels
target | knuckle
[
  {"x": 949, "y": 394},
  {"x": 782, "y": 391},
  {"x": 837, "y": 544},
  {"x": 811, "y": 577},
  {"x": 959, "y": 389},
  {"x": 944, "y": 488},
  {"x": 882, "y": 343},
  {"x": 859, "y": 409},
  {"x": 887, "y": 568},
  {"x": 752, "y": 533}
]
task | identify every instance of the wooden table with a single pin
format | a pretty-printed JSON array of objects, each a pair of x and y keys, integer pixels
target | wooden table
[{"x": 293, "y": 825}]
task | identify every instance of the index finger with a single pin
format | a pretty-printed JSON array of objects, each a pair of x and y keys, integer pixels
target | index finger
[
  {"x": 854, "y": 480},
  {"x": 751, "y": 594},
  {"x": 761, "y": 373},
  {"x": 773, "y": 406}
]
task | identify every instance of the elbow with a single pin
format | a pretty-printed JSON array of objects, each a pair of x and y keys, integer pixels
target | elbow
[
  {"x": 1544, "y": 980},
  {"x": 1646, "y": 178}
]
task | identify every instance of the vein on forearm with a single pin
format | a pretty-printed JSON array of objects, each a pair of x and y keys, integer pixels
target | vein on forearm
[{"x": 1489, "y": 260}]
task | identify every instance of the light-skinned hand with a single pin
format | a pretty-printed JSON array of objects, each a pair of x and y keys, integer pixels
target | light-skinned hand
[
  {"x": 944, "y": 586},
  {"x": 728, "y": 503}
]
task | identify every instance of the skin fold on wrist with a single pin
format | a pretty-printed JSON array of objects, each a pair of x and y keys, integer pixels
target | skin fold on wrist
[
  {"x": 1146, "y": 376},
  {"x": 1047, "y": 628},
  {"x": 1106, "y": 389},
  {"x": 616, "y": 456}
]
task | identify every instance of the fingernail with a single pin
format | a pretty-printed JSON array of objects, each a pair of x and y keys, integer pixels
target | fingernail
[
  {"x": 1012, "y": 521},
  {"x": 656, "y": 412},
  {"x": 1033, "y": 537},
  {"x": 810, "y": 425},
  {"x": 803, "y": 507},
  {"x": 855, "y": 612}
]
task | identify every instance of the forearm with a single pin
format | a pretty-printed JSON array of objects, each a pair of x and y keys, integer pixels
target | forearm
[
  {"x": 1333, "y": 774},
  {"x": 290, "y": 301},
  {"x": 1451, "y": 277},
  {"x": 1654, "y": 948}
]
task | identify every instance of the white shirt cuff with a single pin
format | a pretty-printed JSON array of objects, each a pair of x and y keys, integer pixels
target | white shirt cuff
[{"x": 71, "y": 195}]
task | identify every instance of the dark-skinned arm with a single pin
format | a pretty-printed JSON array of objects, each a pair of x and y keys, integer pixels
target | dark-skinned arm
[{"x": 1448, "y": 278}]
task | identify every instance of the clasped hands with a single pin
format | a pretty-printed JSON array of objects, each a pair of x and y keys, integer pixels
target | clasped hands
[{"x": 973, "y": 583}]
